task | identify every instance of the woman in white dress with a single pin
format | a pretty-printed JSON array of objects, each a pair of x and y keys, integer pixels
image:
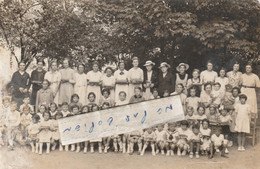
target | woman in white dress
[
  {"x": 67, "y": 82},
  {"x": 54, "y": 77},
  {"x": 136, "y": 77},
  {"x": 249, "y": 82},
  {"x": 208, "y": 76},
  {"x": 80, "y": 86},
  {"x": 121, "y": 81},
  {"x": 94, "y": 80},
  {"x": 108, "y": 82},
  {"x": 222, "y": 79}
]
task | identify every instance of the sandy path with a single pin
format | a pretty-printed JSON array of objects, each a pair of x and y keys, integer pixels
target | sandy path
[{"x": 24, "y": 159}]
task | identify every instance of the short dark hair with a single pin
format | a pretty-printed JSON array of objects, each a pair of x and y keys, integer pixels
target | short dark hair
[
  {"x": 106, "y": 90},
  {"x": 92, "y": 93},
  {"x": 74, "y": 106},
  {"x": 74, "y": 95},
  {"x": 236, "y": 88},
  {"x": 64, "y": 104},
  {"x": 36, "y": 117},
  {"x": 195, "y": 126},
  {"x": 185, "y": 123}
]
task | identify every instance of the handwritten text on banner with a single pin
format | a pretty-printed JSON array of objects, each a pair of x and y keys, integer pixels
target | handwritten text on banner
[{"x": 120, "y": 120}]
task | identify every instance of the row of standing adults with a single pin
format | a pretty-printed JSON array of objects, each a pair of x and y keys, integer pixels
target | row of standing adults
[{"x": 66, "y": 81}]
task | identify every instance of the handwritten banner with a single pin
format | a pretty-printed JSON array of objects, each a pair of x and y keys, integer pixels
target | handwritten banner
[{"x": 120, "y": 120}]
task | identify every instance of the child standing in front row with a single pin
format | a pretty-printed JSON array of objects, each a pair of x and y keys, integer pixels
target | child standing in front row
[
  {"x": 45, "y": 133},
  {"x": 243, "y": 118},
  {"x": 13, "y": 120},
  {"x": 33, "y": 130},
  {"x": 55, "y": 134}
]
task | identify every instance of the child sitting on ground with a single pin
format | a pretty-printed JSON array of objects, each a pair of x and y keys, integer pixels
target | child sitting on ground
[
  {"x": 218, "y": 142},
  {"x": 149, "y": 137},
  {"x": 171, "y": 139},
  {"x": 135, "y": 137},
  {"x": 195, "y": 140},
  {"x": 160, "y": 139},
  {"x": 183, "y": 138}
]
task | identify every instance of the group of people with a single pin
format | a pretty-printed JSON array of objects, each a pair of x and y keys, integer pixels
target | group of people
[{"x": 215, "y": 105}]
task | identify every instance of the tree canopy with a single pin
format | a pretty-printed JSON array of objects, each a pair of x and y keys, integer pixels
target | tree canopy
[{"x": 161, "y": 30}]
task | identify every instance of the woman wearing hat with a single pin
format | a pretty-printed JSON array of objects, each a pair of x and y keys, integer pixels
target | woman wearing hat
[
  {"x": 136, "y": 77},
  {"x": 121, "y": 80},
  {"x": 182, "y": 76},
  {"x": 94, "y": 82},
  {"x": 150, "y": 79},
  {"x": 166, "y": 80},
  {"x": 67, "y": 82},
  {"x": 249, "y": 82}
]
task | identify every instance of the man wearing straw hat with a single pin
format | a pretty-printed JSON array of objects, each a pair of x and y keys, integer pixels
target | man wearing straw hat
[{"x": 150, "y": 79}]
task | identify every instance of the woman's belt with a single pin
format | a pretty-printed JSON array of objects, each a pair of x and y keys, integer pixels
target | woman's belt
[{"x": 248, "y": 86}]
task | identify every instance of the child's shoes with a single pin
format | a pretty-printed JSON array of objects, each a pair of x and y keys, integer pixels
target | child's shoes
[
  {"x": 172, "y": 153},
  {"x": 226, "y": 151},
  {"x": 60, "y": 148},
  {"x": 191, "y": 154},
  {"x": 243, "y": 148},
  {"x": 157, "y": 151},
  {"x": 168, "y": 153},
  {"x": 78, "y": 149},
  {"x": 179, "y": 152},
  {"x": 66, "y": 147},
  {"x": 72, "y": 147},
  {"x": 183, "y": 153},
  {"x": 239, "y": 149},
  {"x": 197, "y": 155},
  {"x": 100, "y": 150},
  {"x": 162, "y": 152},
  {"x": 92, "y": 149},
  {"x": 153, "y": 153},
  {"x": 217, "y": 150},
  {"x": 105, "y": 149},
  {"x": 85, "y": 150}
]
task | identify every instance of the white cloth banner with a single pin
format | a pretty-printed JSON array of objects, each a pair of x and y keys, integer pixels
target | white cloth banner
[{"x": 119, "y": 120}]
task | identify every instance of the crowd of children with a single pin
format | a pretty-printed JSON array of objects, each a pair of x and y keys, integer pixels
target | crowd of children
[{"x": 214, "y": 111}]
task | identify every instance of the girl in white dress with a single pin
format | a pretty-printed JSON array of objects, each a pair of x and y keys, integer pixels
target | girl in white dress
[
  {"x": 136, "y": 77},
  {"x": 54, "y": 77},
  {"x": 108, "y": 82},
  {"x": 56, "y": 134},
  {"x": 121, "y": 80},
  {"x": 94, "y": 82},
  {"x": 80, "y": 86},
  {"x": 45, "y": 133},
  {"x": 243, "y": 119}
]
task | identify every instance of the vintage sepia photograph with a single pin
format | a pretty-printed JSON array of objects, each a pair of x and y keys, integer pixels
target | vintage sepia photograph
[{"x": 129, "y": 84}]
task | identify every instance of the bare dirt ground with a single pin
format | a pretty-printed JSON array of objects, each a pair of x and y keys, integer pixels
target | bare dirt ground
[{"x": 22, "y": 158}]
